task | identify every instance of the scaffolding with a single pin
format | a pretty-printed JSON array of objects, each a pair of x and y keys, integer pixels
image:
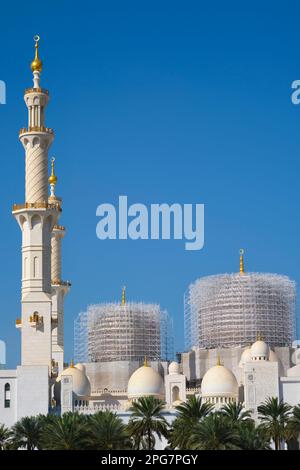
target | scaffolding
[
  {"x": 81, "y": 338},
  {"x": 123, "y": 332},
  {"x": 229, "y": 310}
]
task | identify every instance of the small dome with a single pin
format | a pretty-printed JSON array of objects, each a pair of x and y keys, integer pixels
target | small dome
[
  {"x": 219, "y": 382},
  {"x": 81, "y": 384},
  {"x": 145, "y": 381},
  {"x": 174, "y": 368},
  {"x": 81, "y": 367},
  {"x": 260, "y": 351},
  {"x": 245, "y": 357}
]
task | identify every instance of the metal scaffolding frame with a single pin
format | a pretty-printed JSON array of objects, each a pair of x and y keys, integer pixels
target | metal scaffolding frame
[
  {"x": 123, "y": 332},
  {"x": 229, "y": 310}
]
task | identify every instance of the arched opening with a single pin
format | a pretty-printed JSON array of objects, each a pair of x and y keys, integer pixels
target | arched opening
[
  {"x": 175, "y": 394},
  {"x": 7, "y": 395}
]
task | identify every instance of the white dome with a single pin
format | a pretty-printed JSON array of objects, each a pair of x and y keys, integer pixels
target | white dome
[
  {"x": 81, "y": 384},
  {"x": 145, "y": 381},
  {"x": 219, "y": 382},
  {"x": 260, "y": 351},
  {"x": 245, "y": 357},
  {"x": 81, "y": 367},
  {"x": 174, "y": 368}
]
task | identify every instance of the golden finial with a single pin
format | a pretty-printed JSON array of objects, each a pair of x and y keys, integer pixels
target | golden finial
[
  {"x": 36, "y": 64},
  {"x": 146, "y": 362},
  {"x": 242, "y": 267},
  {"x": 218, "y": 360},
  {"x": 123, "y": 295},
  {"x": 259, "y": 337},
  {"x": 72, "y": 364},
  {"x": 53, "y": 177}
]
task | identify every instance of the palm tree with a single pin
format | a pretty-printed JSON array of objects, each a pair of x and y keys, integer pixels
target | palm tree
[
  {"x": 67, "y": 432},
  {"x": 235, "y": 412},
  {"x": 189, "y": 414},
  {"x": 26, "y": 433},
  {"x": 147, "y": 421},
  {"x": 194, "y": 409},
  {"x": 5, "y": 435},
  {"x": 274, "y": 415},
  {"x": 107, "y": 432},
  {"x": 214, "y": 432},
  {"x": 251, "y": 437},
  {"x": 292, "y": 431}
]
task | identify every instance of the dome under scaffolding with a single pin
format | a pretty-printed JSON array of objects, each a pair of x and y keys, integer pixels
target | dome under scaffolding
[
  {"x": 230, "y": 310},
  {"x": 126, "y": 331}
]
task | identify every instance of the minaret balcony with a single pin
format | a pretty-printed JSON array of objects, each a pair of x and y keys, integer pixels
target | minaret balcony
[
  {"x": 36, "y": 205},
  {"x": 57, "y": 282},
  {"x": 36, "y": 90},
  {"x": 25, "y": 130},
  {"x": 18, "y": 323},
  {"x": 36, "y": 320}
]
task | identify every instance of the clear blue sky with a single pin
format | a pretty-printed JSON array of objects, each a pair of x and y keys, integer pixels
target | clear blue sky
[{"x": 163, "y": 101}]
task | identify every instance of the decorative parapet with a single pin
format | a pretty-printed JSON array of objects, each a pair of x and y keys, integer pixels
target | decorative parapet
[
  {"x": 59, "y": 227},
  {"x": 35, "y": 205},
  {"x": 106, "y": 391},
  {"x": 25, "y": 130},
  {"x": 192, "y": 390},
  {"x": 91, "y": 409},
  {"x": 36, "y": 90},
  {"x": 57, "y": 282}
]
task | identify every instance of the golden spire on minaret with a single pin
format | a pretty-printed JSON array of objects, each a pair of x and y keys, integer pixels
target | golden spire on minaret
[
  {"x": 146, "y": 362},
  {"x": 36, "y": 64},
  {"x": 52, "y": 177},
  {"x": 218, "y": 360},
  {"x": 123, "y": 295},
  {"x": 242, "y": 267}
]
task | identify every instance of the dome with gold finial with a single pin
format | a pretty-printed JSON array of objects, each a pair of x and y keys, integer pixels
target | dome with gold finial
[
  {"x": 81, "y": 383},
  {"x": 36, "y": 64},
  {"x": 145, "y": 381},
  {"x": 219, "y": 382}
]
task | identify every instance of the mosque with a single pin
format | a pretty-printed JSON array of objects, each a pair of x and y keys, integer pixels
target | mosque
[{"x": 41, "y": 384}]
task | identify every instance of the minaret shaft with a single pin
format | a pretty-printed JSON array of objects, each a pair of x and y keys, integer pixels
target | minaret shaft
[
  {"x": 56, "y": 255},
  {"x": 36, "y": 219}
]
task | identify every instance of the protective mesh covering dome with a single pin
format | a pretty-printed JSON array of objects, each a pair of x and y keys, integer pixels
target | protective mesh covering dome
[
  {"x": 117, "y": 332},
  {"x": 229, "y": 310}
]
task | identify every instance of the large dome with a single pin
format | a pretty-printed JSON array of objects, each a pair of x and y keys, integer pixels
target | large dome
[
  {"x": 81, "y": 384},
  {"x": 219, "y": 382},
  {"x": 145, "y": 381},
  {"x": 228, "y": 310}
]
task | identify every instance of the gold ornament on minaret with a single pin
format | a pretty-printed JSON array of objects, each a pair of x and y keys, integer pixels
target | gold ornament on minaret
[
  {"x": 52, "y": 177},
  {"x": 36, "y": 64},
  {"x": 242, "y": 266},
  {"x": 123, "y": 302}
]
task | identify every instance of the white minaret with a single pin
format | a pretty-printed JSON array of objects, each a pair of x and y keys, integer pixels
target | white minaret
[
  {"x": 36, "y": 218},
  {"x": 59, "y": 288}
]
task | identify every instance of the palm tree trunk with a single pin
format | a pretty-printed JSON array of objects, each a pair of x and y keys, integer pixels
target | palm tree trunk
[{"x": 149, "y": 439}]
